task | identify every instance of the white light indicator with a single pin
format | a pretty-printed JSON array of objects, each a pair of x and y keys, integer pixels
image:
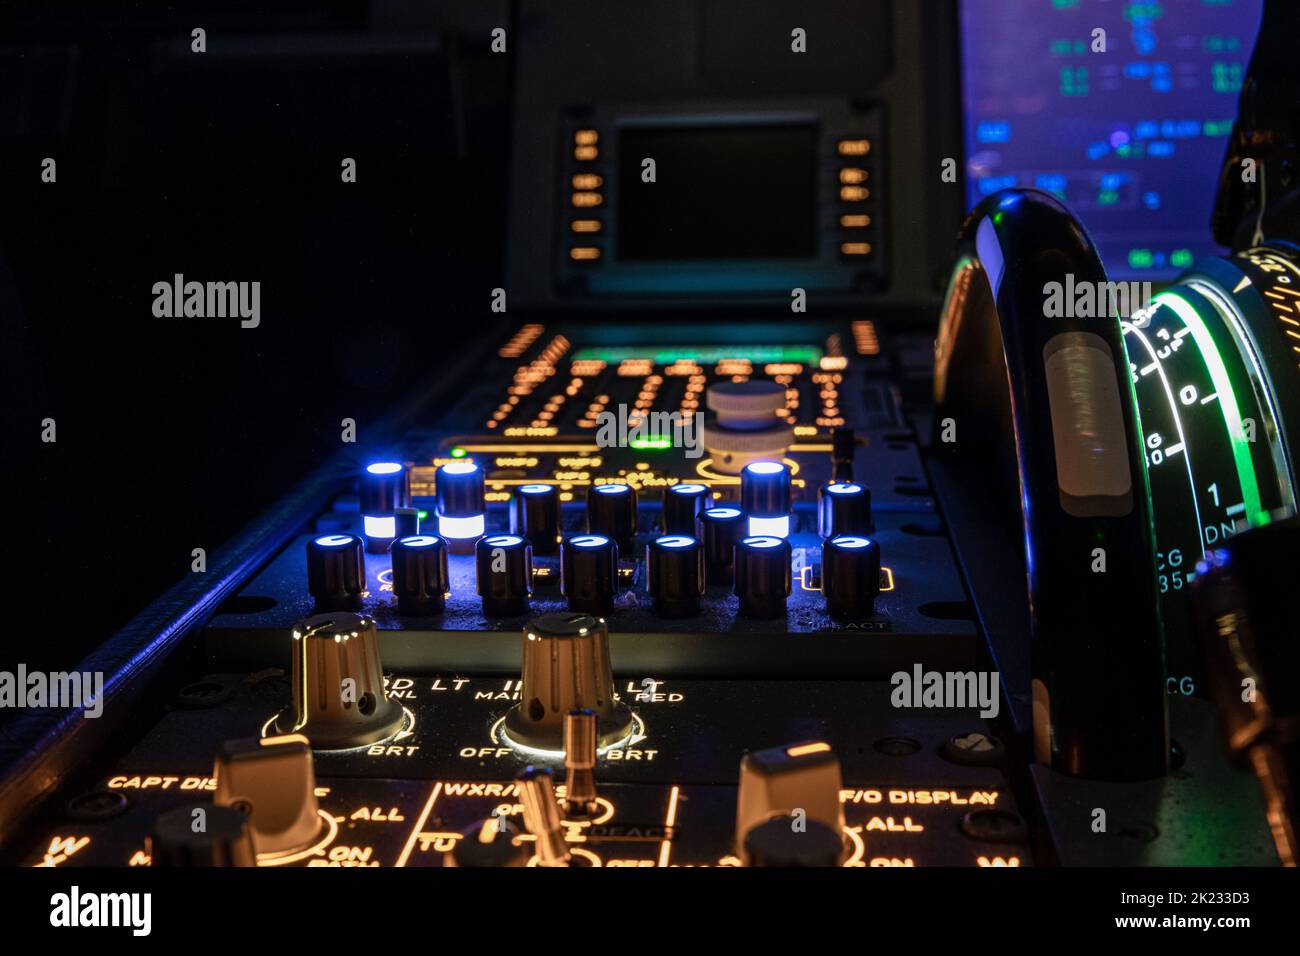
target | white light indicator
[
  {"x": 775, "y": 527},
  {"x": 589, "y": 541},
  {"x": 471, "y": 527},
  {"x": 765, "y": 467},
  {"x": 850, "y": 541},
  {"x": 333, "y": 540},
  {"x": 379, "y": 527},
  {"x": 419, "y": 541},
  {"x": 761, "y": 541},
  {"x": 384, "y": 468}
]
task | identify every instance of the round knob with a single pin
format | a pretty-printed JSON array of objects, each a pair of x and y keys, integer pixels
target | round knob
[
  {"x": 589, "y": 573},
  {"x": 844, "y": 507},
  {"x": 385, "y": 487},
  {"x": 338, "y": 684},
  {"x": 745, "y": 427},
  {"x": 850, "y": 576},
  {"x": 535, "y": 515},
  {"x": 779, "y": 842},
  {"x": 683, "y": 505},
  {"x": 675, "y": 568},
  {"x": 336, "y": 571},
  {"x": 762, "y": 575},
  {"x": 504, "y": 563},
  {"x": 420, "y": 578},
  {"x": 201, "y": 834},
  {"x": 492, "y": 842},
  {"x": 721, "y": 528},
  {"x": 611, "y": 511},
  {"x": 765, "y": 497},
  {"x": 406, "y": 522},
  {"x": 458, "y": 489},
  {"x": 566, "y": 667}
]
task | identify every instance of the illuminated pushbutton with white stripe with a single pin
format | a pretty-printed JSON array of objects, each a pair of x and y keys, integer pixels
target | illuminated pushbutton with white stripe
[
  {"x": 385, "y": 488},
  {"x": 675, "y": 571},
  {"x": 799, "y": 782},
  {"x": 336, "y": 571},
  {"x": 504, "y": 565},
  {"x": 850, "y": 576},
  {"x": 765, "y": 498},
  {"x": 843, "y": 507},
  {"x": 611, "y": 511},
  {"x": 684, "y": 503},
  {"x": 337, "y": 693},
  {"x": 420, "y": 577},
  {"x": 535, "y": 515},
  {"x": 589, "y": 573},
  {"x": 762, "y": 575},
  {"x": 458, "y": 489}
]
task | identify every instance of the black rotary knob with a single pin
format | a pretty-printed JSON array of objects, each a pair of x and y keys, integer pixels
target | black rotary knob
[
  {"x": 504, "y": 563},
  {"x": 762, "y": 575},
  {"x": 611, "y": 511},
  {"x": 336, "y": 571},
  {"x": 589, "y": 572},
  {"x": 844, "y": 507},
  {"x": 765, "y": 497},
  {"x": 385, "y": 487},
  {"x": 493, "y": 842},
  {"x": 720, "y": 529},
  {"x": 788, "y": 841},
  {"x": 683, "y": 505},
  {"x": 675, "y": 567},
  {"x": 420, "y": 578},
  {"x": 201, "y": 834},
  {"x": 535, "y": 515},
  {"x": 850, "y": 576},
  {"x": 458, "y": 488}
]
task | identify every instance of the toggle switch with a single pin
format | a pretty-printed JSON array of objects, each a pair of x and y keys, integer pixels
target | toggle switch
[
  {"x": 580, "y": 763},
  {"x": 492, "y": 842}
]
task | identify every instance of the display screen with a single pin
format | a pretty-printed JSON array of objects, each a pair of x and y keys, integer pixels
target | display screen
[
  {"x": 1130, "y": 138},
  {"x": 733, "y": 192}
]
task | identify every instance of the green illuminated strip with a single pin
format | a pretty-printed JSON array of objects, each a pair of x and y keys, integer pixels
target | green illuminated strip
[
  {"x": 641, "y": 444},
  {"x": 1255, "y": 513},
  {"x": 704, "y": 354}
]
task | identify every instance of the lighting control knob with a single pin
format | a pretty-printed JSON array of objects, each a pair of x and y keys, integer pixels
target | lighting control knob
[
  {"x": 797, "y": 781},
  {"x": 504, "y": 563},
  {"x": 458, "y": 488},
  {"x": 611, "y": 511},
  {"x": 338, "y": 684},
  {"x": 765, "y": 497},
  {"x": 589, "y": 573},
  {"x": 566, "y": 667},
  {"x": 535, "y": 515},
  {"x": 762, "y": 575},
  {"x": 850, "y": 576},
  {"x": 336, "y": 571},
  {"x": 385, "y": 487},
  {"x": 844, "y": 507},
  {"x": 683, "y": 505},
  {"x": 675, "y": 569},
  {"x": 273, "y": 782},
  {"x": 420, "y": 578},
  {"x": 722, "y": 528}
]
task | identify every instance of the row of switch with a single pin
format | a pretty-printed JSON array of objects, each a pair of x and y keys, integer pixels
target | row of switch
[{"x": 745, "y": 547}]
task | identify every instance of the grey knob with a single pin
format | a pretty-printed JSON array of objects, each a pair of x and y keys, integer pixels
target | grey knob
[
  {"x": 566, "y": 667},
  {"x": 273, "y": 782},
  {"x": 338, "y": 684}
]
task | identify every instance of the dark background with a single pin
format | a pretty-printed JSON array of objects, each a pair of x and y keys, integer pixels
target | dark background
[{"x": 174, "y": 433}]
